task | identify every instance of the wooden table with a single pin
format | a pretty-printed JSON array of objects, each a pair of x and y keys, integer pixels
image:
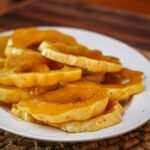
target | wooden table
[{"x": 129, "y": 27}]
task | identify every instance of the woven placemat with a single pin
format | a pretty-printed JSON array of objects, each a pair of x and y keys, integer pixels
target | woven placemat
[{"x": 138, "y": 139}]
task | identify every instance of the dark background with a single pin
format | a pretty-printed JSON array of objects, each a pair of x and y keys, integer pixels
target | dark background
[{"x": 126, "y": 20}]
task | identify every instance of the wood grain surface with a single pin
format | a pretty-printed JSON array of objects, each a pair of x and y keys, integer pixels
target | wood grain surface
[
  {"x": 131, "y": 28},
  {"x": 138, "y": 6},
  {"x": 7, "y": 6}
]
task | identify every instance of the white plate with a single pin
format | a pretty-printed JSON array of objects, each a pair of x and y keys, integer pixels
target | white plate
[{"x": 136, "y": 114}]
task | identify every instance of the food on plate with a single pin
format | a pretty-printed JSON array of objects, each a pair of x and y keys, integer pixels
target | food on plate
[
  {"x": 24, "y": 38},
  {"x": 3, "y": 43},
  {"x": 97, "y": 77},
  {"x": 93, "y": 65},
  {"x": 2, "y": 62},
  {"x": 25, "y": 54},
  {"x": 32, "y": 79},
  {"x": 13, "y": 94},
  {"x": 123, "y": 84},
  {"x": 49, "y": 78},
  {"x": 22, "y": 114},
  {"x": 111, "y": 117},
  {"x": 78, "y": 50},
  {"x": 41, "y": 68},
  {"x": 120, "y": 85},
  {"x": 78, "y": 102},
  {"x": 25, "y": 60}
]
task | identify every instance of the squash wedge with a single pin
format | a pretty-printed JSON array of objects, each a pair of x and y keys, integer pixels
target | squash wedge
[{"x": 50, "y": 51}]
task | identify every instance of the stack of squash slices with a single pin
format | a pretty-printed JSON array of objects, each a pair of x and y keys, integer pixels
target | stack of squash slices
[{"x": 47, "y": 77}]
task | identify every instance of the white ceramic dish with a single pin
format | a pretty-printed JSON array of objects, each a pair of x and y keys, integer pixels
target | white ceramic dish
[{"x": 136, "y": 114}]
